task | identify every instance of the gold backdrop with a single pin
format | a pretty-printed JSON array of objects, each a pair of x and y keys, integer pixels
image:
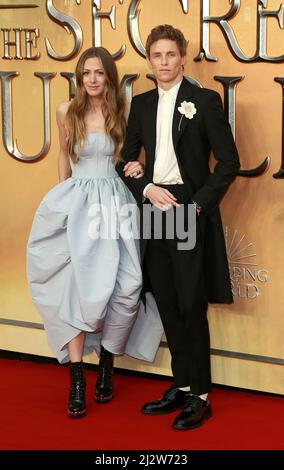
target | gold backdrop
[{"x": 246, "y": 338}]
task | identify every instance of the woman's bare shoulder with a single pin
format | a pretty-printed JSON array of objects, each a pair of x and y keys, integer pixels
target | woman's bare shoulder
[
  {"x": 61, "y": 112},
  {"x": 62, "y": 108}
]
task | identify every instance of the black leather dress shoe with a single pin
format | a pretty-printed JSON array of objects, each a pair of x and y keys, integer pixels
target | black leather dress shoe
[
  {"x": 172, "y": 400},
  {"x": 194, "y": 413}
]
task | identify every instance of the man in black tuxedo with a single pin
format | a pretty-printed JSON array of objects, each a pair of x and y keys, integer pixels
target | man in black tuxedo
[{"x": 179, "y": 124}]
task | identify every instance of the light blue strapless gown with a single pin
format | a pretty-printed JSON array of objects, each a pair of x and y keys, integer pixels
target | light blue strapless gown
[{"x": 83, "y": 261}]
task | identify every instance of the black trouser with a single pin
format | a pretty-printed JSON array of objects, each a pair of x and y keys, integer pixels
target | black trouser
[{"x": 177, "y": 280}]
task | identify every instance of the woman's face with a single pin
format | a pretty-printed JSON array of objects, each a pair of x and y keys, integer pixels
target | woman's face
[{"x": 94, "y": 77}]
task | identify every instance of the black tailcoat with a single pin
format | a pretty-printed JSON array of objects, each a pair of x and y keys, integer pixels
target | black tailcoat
[{"x": 193, "y": 141}]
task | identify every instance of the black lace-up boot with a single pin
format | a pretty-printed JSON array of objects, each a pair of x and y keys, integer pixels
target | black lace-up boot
[
  {"x": 76, "y": 402},
  {"x": 104, "y": 383}
]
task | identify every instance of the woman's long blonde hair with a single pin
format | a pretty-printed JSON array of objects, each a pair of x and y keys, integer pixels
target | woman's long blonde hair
[{"x": 113, "y": 105}]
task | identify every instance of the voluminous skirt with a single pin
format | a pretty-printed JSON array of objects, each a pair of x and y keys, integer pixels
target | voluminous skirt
[{"x": 83, "y": 264}]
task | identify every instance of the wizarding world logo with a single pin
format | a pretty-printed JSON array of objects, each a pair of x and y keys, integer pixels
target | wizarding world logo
[{"x": 247, "y": 277}]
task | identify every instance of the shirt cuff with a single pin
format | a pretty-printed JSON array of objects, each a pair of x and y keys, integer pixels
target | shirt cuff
[{"x": 145, "y": 189}]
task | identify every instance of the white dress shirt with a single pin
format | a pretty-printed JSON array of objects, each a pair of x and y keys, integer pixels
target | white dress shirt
[{"x": 166, "y": 169}]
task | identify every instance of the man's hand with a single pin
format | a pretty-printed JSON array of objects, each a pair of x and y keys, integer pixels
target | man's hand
[
  {"x": 161, "y": 198},
  {"x": 134, "y": 169}
]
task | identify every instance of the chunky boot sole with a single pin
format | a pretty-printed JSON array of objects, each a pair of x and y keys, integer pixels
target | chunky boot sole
[
  {"x": 76, "y": 414},
  {"x": 103, "y": 399}
]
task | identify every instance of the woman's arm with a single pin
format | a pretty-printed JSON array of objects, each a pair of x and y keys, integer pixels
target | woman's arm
[{"x": 64, "y": 167}]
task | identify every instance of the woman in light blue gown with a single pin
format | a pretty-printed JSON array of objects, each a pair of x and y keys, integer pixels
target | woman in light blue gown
[{"x": 83, "y": 261}]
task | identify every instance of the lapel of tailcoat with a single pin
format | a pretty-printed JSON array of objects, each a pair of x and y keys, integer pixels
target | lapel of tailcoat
[
  {"x": 180, "y": 122},
  {"x": 152, "y": 106}
]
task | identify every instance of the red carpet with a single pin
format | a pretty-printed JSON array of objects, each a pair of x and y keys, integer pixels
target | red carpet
[{"x": 33, "y": 415}]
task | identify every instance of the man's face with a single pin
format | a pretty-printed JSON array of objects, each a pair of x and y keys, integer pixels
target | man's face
[{"x": 165, "y": 61}]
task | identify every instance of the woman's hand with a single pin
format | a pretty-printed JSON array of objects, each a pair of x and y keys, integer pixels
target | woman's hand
[{"x": 134, "y": 169}]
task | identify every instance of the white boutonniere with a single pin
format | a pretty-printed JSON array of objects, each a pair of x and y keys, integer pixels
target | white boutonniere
[{"x": 186, "y": 109}]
